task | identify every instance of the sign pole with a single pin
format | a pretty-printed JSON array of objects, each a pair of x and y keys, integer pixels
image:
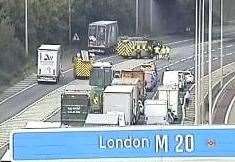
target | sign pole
[
  {"x": 136, "y": 16},
  {"x": 70, "y": 28},
  {"x": 196, "y": 63},
  {"x": 210, "y": 61},
  {"x": 221, "y": 42},
  {"x": 26, "y": 29},
  {"x": 202, "y": 61},
  {"x": 199, "y": 62}
]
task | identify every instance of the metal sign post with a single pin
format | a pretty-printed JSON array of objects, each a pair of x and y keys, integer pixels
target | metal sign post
[
  {"x": 221, "y": 42},
  {"x": 210, "y": 61},
  {"x": 202, "y": 61},
  {"x": 26, "y": 29},
  {"x": 136, "y": 16},
  {"x": 196, "y": 63},
  {"x": 70, "y": 27}
]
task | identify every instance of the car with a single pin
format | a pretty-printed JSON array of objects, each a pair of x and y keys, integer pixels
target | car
[{"x": 189, "y": 77}]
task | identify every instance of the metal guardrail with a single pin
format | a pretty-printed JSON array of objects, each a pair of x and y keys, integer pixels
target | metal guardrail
[{"x": 228, "y": 69}]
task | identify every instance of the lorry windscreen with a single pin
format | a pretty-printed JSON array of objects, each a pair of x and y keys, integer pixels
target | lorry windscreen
[{"x": 101, "y": 35}]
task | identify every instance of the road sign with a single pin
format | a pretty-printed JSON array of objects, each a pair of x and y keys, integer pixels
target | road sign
[
  {"x": 76, "y": 37},
  {"x": 123, "y": 142}
]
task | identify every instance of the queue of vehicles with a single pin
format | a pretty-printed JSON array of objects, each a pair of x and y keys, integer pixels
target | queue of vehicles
[{"x": 111, "y": 89}]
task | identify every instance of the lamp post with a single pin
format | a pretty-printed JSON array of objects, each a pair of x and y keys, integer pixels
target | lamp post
[
  {"x": 221, "y": 42},
  {"x": 210, "y": 61},
  {"x": 136, "y": 16},
  {"x": 196, "y": 63},
  {"x": 202, "y": 61},
  {"x": 70, "y": 28},
  {"x": 26, "y": 29}
]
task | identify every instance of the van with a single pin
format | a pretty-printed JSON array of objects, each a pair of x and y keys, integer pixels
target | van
[
  {"x": 156, "y": 111},
  {"x": 174, "y": 78}
]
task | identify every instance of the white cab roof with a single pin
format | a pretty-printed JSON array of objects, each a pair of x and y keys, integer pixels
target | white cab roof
[
  {"x": 102, "y": 64},
  {"x": 152, "y": 102},
  {"x": 75, "y": 89},
  {"x": 168, "y": 88},
  {"x": 49, "y": 47},
  {"x": 102, "y": 119},
  {"x": 119, "y": 89},
  {"x": 103, "y": 22},
  {"x": 125, "y": 81},
  {"x": 40, "y": 124}
]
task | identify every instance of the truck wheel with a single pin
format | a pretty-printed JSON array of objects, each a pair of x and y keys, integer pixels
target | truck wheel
[{"x": 138, "y": 56}]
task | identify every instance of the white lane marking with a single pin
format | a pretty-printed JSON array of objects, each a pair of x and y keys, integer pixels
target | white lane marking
[
  {"x": 190, "y": 68},
  {"x": 176, "y": 62},
  {"x": 107, "y": 57},
  {"x": 67, "y": 71},
  {"x": 229, "y": 45},
  {"x": 183, "y": 59},
  {"x": 36, "y": 83},
  {"x": 221, "y": 92},
  {"x": 229, "y": 110},
  {"x": 18, "y": 93},
  {"x": 171, "y": 64},
  {"x": 179, "y": 41},
  {"x": 228, "y": 54}
]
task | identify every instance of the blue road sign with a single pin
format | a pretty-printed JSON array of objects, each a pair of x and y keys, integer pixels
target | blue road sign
[{"x": 132, "y": 142}]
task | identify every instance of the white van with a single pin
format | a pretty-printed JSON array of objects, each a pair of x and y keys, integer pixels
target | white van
[
  {"x": 175, "y": 78},
  {"x": 49, "y": 63},
  {"x": 156, "y": 112}
]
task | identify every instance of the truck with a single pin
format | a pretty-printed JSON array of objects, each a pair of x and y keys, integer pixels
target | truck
[
  {"x": 82, "y": 64},
  {"x": 170, "y": 93},
  {"x": 75, "y": 105},
  {"x": 122, "y": 98},
  {"x": 102, "y": 36},
  {"x": 156, "y": 112},
  {"x": 141, "y": 83},
  {"x": 101, "y": 77},
  {"x": 49, "y": 63},
  {"x": 150, "y": 75},
  {"x": 139, "y": 47},
  {"x": 174, "y": 78}
]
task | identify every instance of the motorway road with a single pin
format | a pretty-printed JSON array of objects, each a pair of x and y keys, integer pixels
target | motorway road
[
  {"x": 231, "y": 116},
  {"x": 17, "y": 103},
  {"x": 183, "y": 60},
  {"x": 223, "y": 105}
]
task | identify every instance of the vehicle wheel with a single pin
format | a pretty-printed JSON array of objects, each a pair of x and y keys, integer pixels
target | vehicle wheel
[
  {"x": 57, "y": 80},
  {"x": 134, "y": 120}
]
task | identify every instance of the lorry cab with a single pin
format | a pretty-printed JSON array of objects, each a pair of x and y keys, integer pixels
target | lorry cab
[
  {"x": 175, "y": 78},
  {"x": 151, "y": 80},
  {"x": 49, "y": 63}
]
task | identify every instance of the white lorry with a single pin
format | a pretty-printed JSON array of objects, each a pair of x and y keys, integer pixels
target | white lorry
[
  {"x": 49, "y": 63},
  {"x": 156, "y": 112},
  {"x": 174, "y": 78},
  {"x": 122, "y": 98},
  {"x": 170, "y": 93}
]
